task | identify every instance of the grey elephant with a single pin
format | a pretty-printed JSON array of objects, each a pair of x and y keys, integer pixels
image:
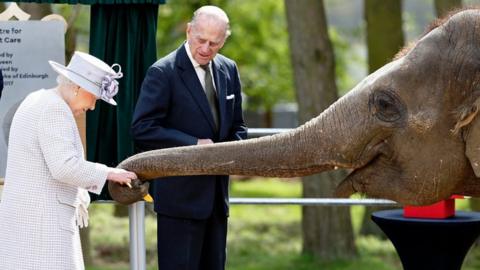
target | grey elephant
[{"x": 410, "y": 131}]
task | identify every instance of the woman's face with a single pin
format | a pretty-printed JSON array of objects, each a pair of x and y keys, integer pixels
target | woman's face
[{"x": 82, "y": 101}]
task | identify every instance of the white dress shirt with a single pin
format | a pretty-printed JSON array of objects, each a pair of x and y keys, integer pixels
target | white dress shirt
[{"x": 198, "y": 69}]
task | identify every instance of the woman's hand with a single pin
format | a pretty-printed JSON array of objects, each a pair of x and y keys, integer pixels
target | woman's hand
[{"x": 121, "y": 176}]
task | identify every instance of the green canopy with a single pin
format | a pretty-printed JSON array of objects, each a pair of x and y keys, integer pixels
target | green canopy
[
  {"x": 123, "y": 34},
  {"x": 91, "y": 2}
]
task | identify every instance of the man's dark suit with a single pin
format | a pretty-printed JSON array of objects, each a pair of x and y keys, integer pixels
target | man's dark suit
[
  {"x": 1, "y": 83},
  {"x": 172, "y": 110}
]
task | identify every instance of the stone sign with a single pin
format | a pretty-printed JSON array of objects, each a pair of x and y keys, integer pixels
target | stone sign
[{"x": 25, "y": 48}]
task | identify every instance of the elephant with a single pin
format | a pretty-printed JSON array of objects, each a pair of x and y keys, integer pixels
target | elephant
[{"x": 408, "y": 132}]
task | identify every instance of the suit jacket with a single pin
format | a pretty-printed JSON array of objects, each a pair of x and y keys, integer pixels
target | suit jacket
[
  {"x": 172, "y": 110},
  {"x": 1, "y": 83},
  {"x": 46, "y": 179}
]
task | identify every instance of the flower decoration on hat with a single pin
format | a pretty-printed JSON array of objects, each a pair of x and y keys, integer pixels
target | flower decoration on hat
[{"x": 109, "y": 84}]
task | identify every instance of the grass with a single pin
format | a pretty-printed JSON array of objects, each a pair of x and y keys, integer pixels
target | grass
[{"x": 260, "y": 237}]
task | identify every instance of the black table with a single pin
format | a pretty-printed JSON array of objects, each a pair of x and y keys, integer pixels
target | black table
[{"x": 430, "y": 244}]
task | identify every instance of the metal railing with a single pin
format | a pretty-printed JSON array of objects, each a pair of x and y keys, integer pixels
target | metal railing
[
  {"x": 312, "y": 201},
  {"x": 137, "y": 218},
  {"x": 260, "y": 132},
  {"x": 137, "y": 210}
]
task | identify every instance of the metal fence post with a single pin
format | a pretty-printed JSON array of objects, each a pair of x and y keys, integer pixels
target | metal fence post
[{"x": 137, "y": 236}]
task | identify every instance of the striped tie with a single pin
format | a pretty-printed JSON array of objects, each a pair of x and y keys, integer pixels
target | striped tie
[{"x": 211, "y": 94}]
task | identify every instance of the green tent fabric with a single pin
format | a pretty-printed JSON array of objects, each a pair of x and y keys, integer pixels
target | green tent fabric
[
  {"x": 123, "y": 34},
  {"x": 92, "y": 2}
]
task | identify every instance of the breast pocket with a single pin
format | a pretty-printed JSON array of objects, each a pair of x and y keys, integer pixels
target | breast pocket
[
  {"x": 66, "y": 212},
  {"x": 229, "y": 105}
]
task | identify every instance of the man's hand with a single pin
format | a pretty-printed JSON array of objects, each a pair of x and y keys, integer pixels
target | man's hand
[{"x": 204, "y": 141}]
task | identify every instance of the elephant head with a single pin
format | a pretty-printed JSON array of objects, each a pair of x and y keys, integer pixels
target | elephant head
[{"x": 409, "y": 131}]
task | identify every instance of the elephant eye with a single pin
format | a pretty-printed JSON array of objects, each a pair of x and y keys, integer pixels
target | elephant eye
[{"x": 386, "y": 106}]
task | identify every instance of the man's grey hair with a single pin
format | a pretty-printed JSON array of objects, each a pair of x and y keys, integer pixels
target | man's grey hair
[{"x": 212, "y": 12}]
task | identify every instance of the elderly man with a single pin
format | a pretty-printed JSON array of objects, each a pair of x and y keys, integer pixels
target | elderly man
[{"x": 191, "y": 96}]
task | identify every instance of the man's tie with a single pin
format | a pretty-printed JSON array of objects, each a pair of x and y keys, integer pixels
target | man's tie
[{"x": 211, "y": 94}]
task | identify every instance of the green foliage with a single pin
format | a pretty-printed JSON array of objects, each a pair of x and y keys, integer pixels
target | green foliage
[
  {"x": 172, "y": 23},
  {"x": 260, "y": 236},
  {"x": 77, "y": 16},
  {"x": 259, "y": 44},
  {"x": 110, "y": 237},
  {"x": 267, "y": 187},
  {"x": 344, "y": 56},
  {"x": 269, "y": 237}
]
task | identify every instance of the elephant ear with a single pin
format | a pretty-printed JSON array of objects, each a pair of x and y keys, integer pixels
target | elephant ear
[{"x": 472, "y": 139}]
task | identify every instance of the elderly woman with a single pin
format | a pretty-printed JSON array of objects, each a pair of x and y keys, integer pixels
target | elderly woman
[{"x": 45, "y": 195}]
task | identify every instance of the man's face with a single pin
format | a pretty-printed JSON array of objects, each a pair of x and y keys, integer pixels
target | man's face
[{"x": 206, "y": 37}]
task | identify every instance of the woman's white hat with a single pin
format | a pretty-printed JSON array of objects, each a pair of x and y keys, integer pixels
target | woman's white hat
[{"x": 92, "y": 74}]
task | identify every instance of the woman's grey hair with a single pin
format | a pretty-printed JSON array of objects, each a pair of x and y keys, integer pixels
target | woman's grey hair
[
  {"x": 212, "y": 12},
  {"x": 62, "y": 80}
]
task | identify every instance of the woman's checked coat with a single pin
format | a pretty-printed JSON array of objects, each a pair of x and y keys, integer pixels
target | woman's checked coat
[{"x": 46, "y": 179}]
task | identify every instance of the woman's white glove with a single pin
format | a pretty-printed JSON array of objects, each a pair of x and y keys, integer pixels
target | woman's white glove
[{"x": 81, "y": 213}]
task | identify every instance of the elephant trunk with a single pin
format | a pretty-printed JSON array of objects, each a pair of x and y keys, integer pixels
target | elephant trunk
[
  {"x": 275, "y": 156},
  {"x": 311, "y": 148},
  {"x": 323, "y": 143}
]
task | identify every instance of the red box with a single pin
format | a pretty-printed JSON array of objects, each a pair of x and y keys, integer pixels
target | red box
[{"x": 441, "y": 209}]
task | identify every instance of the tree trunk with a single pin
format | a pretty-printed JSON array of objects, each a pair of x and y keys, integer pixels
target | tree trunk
[
  {"x": 86, "y": 246},
  {"x": 268, "y": 118},
  {"x": 442, "y": 7},
  {"x": 327, "y": 231},
  {"x": 70, "y": 42},
  {"x": 384, "y": 31},
  {"x": 120, "y": 210},
  {"x": 475, "y": 206},
  {"x": 384, "y": 39},
  {"x": 71, "y": 34},
  {"x": 37, "y": 11}
]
